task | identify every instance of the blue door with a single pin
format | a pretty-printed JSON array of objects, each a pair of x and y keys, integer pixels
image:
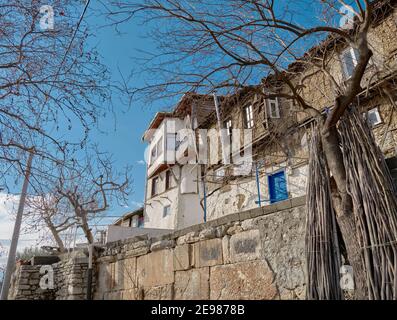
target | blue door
[{"x": 277, "y": 187}]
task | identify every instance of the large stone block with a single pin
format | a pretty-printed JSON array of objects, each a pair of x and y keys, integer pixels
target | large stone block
[
  {"x": 182, "y": 257},
  {"x": 283, "y": 246},
  {"x": 116, "y": 295},
  {"x": 155, "y": 268},
  {"x": 252, "y": 280},
  {"x": 208, "y": 253},
  {"x": 192, "y": 284},
  {"x": 226, "y": 249},
  {"x": 245, "y": 246},
  {"x": 114, "y": 276},
  {"x": 127, "y": 273},
  {"x": 130, "y": 294},
  {"x": 159, "y": 292}
]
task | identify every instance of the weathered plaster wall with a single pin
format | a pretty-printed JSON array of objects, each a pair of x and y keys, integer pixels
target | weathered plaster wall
[
  {"x": 241, "y": 193},
  {"x": 182, "y": 197},
  {"x": 256, "y": 254}
]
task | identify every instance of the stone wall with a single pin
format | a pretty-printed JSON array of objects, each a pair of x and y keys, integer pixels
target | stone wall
[
  {"x": 70, "y": 280},
  {"x": 25, "y": 284},
  {"x": 256, "y": 254}
]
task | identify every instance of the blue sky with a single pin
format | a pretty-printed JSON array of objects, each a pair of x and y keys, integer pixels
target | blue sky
[
  {"x": 119, "y": 133},
  {"x": 123, "y": 130}
]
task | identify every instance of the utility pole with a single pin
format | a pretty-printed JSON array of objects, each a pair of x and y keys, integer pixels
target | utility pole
[{"x": 15, "y": 234}]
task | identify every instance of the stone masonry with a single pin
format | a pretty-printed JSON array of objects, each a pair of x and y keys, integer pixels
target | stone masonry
[
  {"x": 70, "y": 280},
  {"x": 257, "y": 254}
]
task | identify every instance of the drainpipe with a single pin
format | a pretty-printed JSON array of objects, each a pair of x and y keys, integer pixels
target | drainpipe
[
  {"x": 225, "y": 156},
  {"x": 89, "y": 272},
  {"x": 258, "y": 185},
  {"x": 145, "y": 195},
  {"x": 205, "y": 200}
]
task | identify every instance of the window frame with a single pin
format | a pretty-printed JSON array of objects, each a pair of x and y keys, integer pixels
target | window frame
[
  {"x": 154, "y": 185},
  {"x": 277, "y": 106},
  {"x": 375, "y": 111},
  {"x": 228, "y": 125},
  {"x": 169, "y": 211},
  {"x": 248, "y": 113},
  {"x": 141, "y": 221},
  {"x": 168, "y": 177},
  {"x": 354, "y": 56},
  {"x": 171, "y": 137}
]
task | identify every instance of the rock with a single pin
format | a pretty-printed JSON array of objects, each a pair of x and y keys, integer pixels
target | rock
[
  {"x": 155, "y": 268},
  {"x": 208, "y": 253},
  {"x": 130, "y": 294},
  {"x": 162, "y": 244},
  {"x": 127, "y": 274},
  {"x": 220, "y": 231},
  {"x": 190, "y": 237},
  {"x": 74, "y": 290},
  {"x": 159, "y": 293},
  {"x": 226, "y": 249},
  {"x": 208, "y": 233},
  {"x": 192, "y": 284},
  {"x": 251, "y": 280},
  {"x": 234, "y": 229},
  {"x": 137, "y": 252},
  {"x": 24, "y": 287},
  {"x": 249, "y": 224},
  {"x": 182, "y": 257},
  {"x": 245, "y": 246}
]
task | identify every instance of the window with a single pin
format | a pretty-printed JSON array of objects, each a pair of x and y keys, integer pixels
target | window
[
  {"x": 141, "y": 221},
  {"x": 180, "y": 142},
  {"x": 228, "y": 126},
  {"x": 157, "y": 150},
  {"x": 155, "y": 182},
  {"x": 349, "y": 58},
  {"x": 373, "y": 117},
  {"x": 248, "y": 117},
  {"x": 277, "y": 187},
  {"x": 160, "y": 147},
  {"x": 168, "y": 177},
  {"x": 166, "y": 211},
  {"x": 153, "y": 154},
  {"x": 274, "y": 111},
  {"x": 171, "y": 141}
]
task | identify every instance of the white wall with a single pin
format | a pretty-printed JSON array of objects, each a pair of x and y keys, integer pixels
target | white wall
[
  {"x": 241, "y": 194},
  {"x": 183, "y": 198},
  {"x": 116, "y": 233}
]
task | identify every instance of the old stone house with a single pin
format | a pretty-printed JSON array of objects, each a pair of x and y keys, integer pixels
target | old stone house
[
  {"x": 280, "y": 130},
  {"x": 173, "y": 189},
  {"x": 179, "y": 195}
]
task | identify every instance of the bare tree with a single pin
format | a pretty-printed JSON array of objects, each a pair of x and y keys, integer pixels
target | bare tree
[
  {"x": 91, "y": 187},
  {"x": 75, "y": 193},
  {"x": 51, "y": 81},
  {"x": 205, "y": 46},
  {"x": 50, "y": 211}
]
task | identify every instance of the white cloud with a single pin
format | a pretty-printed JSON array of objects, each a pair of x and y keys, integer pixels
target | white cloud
[
  {"x": 8, "y": 207},
  {"x": 141, "y": 162}
]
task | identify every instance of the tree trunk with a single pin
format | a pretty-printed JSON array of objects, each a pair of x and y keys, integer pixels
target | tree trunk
[
  {"x": 343, "y": 207},
  {"x": 55, "y": 235},
  {"x": 87, "y": 230}
]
